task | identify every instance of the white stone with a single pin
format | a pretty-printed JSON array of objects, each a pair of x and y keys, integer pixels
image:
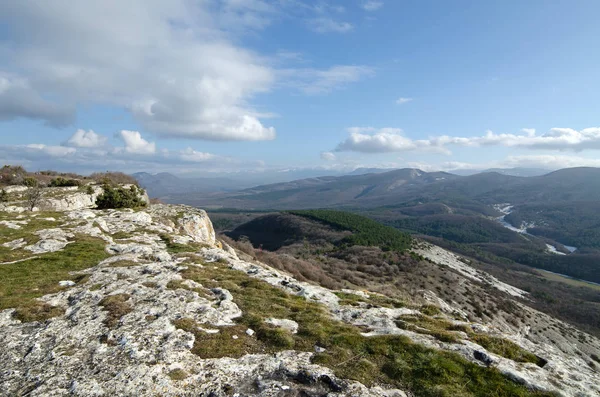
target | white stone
[
  {"x": 15, "y": 244},
  {"x": 289, "y": 325},
  {"x": 16, "y": 225},
  {"x": 44, "y": 246},
  {"x": 66, "y": 283},
  {"x": 250, "y": 332}
]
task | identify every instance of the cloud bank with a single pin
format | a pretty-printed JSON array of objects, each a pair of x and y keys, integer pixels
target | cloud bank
[{"x": 373, "y": 140}]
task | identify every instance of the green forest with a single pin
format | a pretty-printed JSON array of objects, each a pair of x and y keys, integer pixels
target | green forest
[{"x": 366, "y": 232}]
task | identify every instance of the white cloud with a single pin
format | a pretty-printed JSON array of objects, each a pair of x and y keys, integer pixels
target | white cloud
[
  {"x": 328, "y": 25},
  {"x": 550, "y": 161},
  {"x": 86, "y": 139},
  {"x": 402, "y": 101},
  {"x": 528, "y": 131},
  {"x": 194, "y": 156},
  {"x": 372, "y": 5},
  {"x": 371, "y": 140},
  {"x": 543, "y": 161},
  {"x": 316, "y": 81},
  {"x": 169, "y": 63},
  {"x": 328, "y": 156},
  {"x": 51, "y": 151},
  {"x": 176, "y": 66},
  {"x": 135, "y": 144}
]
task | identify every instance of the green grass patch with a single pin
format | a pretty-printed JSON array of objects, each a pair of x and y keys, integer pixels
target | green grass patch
[
  {"x": 175, "y": 248},
  {"x": 505, "y": 348},
  {"x": 391, "y": 360},
  {"x": 440, "y": 329},
  {"x": 350, "y": 299},
  {"x": 21, "y": 283},
  {"x": 178, "y": 284},
  {"x": 26, "y": 232}
]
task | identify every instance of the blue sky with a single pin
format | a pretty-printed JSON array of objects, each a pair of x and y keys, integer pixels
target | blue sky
[{"x": 251, "y": 85}]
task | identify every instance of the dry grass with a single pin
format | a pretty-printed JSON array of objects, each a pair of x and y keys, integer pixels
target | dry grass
[
  {"x": 116, "y": 306},
  {"x": 178, "y": 374}
]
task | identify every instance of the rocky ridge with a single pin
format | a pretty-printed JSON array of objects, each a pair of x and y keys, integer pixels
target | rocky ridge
[{"x": 119, "y": 330}]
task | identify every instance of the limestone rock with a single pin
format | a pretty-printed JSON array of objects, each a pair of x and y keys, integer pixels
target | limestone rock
[
  {"x": 289, "y": 325},
  {"x": 78, "y": 354}
]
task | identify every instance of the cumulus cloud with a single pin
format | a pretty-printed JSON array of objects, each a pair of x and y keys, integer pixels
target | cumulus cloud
[
  {"x": 86, "y": 139},
  {"x": 328, "y": 156},
  {"x": 372, "y": 5},
  {"x": 135, "y": 144},
  {"x": 371, "y": 140},
  {"x": 402, "y": 101},
  {"x": 176, "y": 66}
]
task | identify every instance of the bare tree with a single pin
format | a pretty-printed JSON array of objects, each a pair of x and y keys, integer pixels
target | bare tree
[{"x": 33, "y": 196}]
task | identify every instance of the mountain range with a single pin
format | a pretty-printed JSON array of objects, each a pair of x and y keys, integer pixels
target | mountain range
[{"x": 408, "y": 186}]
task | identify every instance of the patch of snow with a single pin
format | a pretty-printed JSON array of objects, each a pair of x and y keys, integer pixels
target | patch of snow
[{"x": 552, "y": 249}]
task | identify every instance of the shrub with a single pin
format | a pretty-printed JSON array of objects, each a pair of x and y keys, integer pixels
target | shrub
[
  {"x": 60, "y": 182},
  {"x": 30, "y": 181},
  {"x": 120, "y": 197},
  {"x": 3, "y": 196},
  {"x": 33, "y": 196},
  {"x": 12, "y": 175}
]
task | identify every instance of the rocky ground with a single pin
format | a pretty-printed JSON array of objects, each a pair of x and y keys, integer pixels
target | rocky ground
[{"x": 169, "y": 310}]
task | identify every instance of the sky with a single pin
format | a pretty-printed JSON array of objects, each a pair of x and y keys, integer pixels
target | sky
[{"x": 229, "y": 86}]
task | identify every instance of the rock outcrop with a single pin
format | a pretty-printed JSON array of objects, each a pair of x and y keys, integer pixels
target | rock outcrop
[
  {"x": 139, "y": 347},
  {"x": 61, "y": 199}
]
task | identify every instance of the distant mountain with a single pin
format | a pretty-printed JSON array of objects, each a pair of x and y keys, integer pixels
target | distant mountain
[
  {"x": 413, "y": 186},
  {"x": 525, "y": 172},
  {"x": 164, "y": 185},
  {"x": 326, "y": 191}
]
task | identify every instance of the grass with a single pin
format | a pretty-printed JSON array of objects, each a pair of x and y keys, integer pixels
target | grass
[
  {"x": 26, "y": 232},
  {"x": 392, "y": 360},
  {"x": 175, "y": 248},
  {"x": 350, "y": 299},
  {"x": 506, "y": 348},
  {"x": 178, "y": 374},
  {"x": 178, "y": 284},
  {"x": 444, "y": 331},
  {"x": 568, "y": 280},
  {"x": 21, "y": 283},
  {"x": 440, "y": 329},
  {"x": 116, "y": 306}
]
